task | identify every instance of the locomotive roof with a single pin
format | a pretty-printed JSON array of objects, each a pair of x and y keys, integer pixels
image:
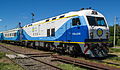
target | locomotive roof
[{"x": 69, "y": 14}]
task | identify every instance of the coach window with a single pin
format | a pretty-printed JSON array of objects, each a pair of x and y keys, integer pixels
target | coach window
[
  {"x": 11, "y": 34},
  {"x": 75, "y": 21},
  {"x": 53, "y": 32},
  {"x": 14, "y": 34},
  {"x": 48, "y": 32}
]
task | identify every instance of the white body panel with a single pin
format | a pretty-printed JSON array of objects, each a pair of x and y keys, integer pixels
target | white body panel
[{"x": 40, "y": 30}]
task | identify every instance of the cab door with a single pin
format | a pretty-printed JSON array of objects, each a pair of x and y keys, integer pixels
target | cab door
[{"x": 73, "y": 29}]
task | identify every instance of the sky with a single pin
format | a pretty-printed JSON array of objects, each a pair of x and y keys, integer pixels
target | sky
[{"x": 14, "y": 11}]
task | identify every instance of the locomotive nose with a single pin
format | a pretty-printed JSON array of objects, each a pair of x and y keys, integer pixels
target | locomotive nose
[{"x": 99, "y": 33}]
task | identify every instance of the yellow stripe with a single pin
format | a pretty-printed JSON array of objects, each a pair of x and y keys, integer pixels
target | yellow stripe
[
  {"x": 62, "y": 41},
  {"x": 67, "y": 42},
  {"x": 56, "y": 41},
  {"x": 51, "y": 20}
]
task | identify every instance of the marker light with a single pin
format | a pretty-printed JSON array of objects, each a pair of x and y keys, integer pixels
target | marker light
[
  {"x": 91, "y": 35},
  {"x": 107, "y": 35}
]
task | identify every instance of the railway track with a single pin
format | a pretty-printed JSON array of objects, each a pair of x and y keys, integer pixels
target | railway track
[
  {"x": 30, "y": 59},
  {"x": 116, "y": 64},
  {"x": 84, "y": 63}
]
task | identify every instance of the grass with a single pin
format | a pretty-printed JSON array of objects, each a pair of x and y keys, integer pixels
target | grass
[
  {"x": 115, "y": 58},
  {"x": 9, "y": 66},
  {"x": 118, "y": 42},
  {"x": 2, "y": 55},
  {"x": 117, "y": 46},
  {"x": 117, "y": 39},
  {"x": 6, "y": 64},
  {"x": 70, "y": 67},
  {"x": 112, "y": 50}
]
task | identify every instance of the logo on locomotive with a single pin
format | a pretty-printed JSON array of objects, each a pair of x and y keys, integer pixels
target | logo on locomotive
[{"x": 99, "y": 32}]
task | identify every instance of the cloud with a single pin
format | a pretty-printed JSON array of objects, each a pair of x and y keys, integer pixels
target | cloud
[{"x": 0, "y": 19}]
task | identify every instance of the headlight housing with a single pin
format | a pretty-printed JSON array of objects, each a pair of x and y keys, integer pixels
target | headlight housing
[
  {"x": 107, "y": 35},
  {"x": 91, "y": 35}
]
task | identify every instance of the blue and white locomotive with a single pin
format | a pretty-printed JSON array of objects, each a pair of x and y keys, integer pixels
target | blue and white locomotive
[{"x": 79, "y": 32}]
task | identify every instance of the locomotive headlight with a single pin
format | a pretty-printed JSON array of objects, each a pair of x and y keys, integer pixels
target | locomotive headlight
[
  {"x": 107, "y": 35},
  {"x": 91, "y": 35}
]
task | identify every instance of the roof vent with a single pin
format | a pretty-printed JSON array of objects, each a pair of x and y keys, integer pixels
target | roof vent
[
  {"x": 82, "y": 9},
  {"x": 89, "y": 8}
]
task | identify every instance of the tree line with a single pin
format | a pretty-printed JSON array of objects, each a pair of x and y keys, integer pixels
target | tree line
[{"x": 117, "y": 35}]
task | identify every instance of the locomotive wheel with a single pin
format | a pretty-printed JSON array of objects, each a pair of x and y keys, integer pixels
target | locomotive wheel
[
  {"x": 74, "y": 50},
  {"x": 47, "y": 46}
]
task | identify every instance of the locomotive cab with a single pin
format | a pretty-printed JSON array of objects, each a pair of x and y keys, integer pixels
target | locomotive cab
[
  {"x": 98, "y": 32},
  {"x": 98, "y": 29}
]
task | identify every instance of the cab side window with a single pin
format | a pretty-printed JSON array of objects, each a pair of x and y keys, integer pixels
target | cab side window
[
  {"x": 53, "y": 32},
  {"x": 76, "y": 21},
  {"x": 48, "y": 32}
]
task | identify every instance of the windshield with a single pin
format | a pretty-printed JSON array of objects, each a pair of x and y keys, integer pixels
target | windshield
[{"x": 96, "y": 21}]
